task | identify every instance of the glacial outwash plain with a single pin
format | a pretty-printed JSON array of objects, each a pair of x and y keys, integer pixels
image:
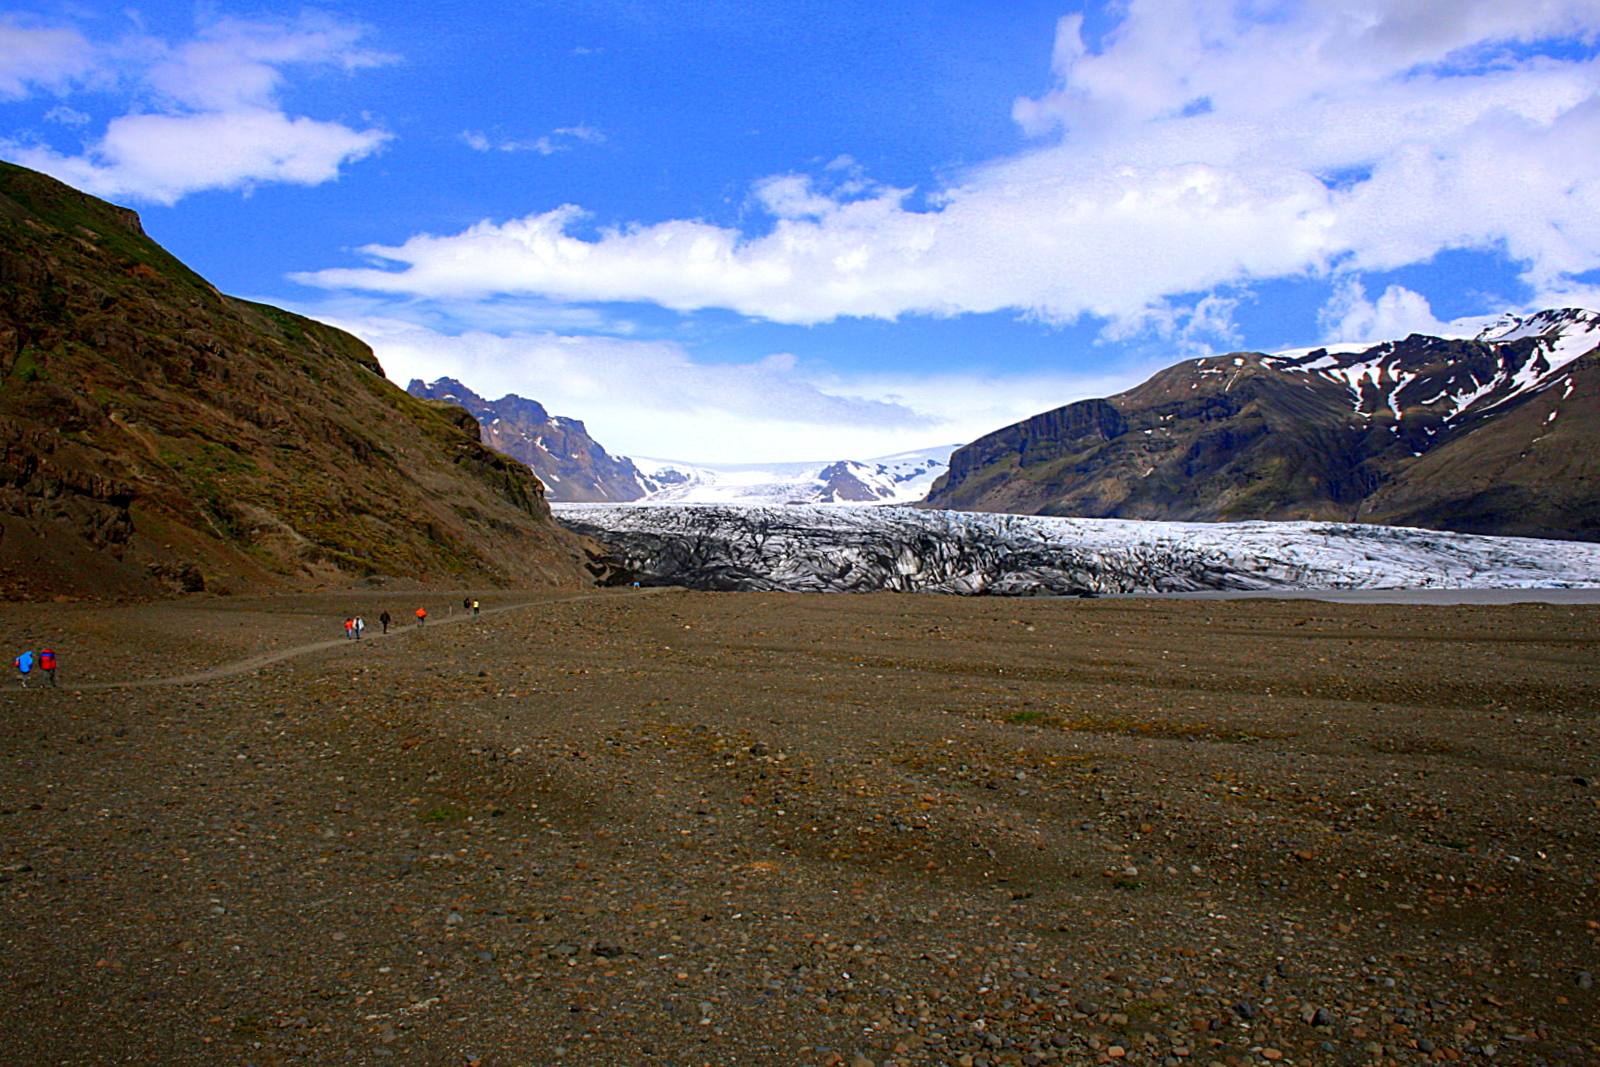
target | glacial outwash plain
[{"x": 670, "y": 827}]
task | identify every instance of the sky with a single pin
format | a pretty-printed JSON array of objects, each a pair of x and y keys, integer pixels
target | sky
[{"x": 760, "y": 231}]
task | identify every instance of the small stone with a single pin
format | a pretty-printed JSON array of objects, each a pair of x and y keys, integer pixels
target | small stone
[
  {"x": 1271, "y": 1054},
  {"x": 1245, "y": 1010},
  {"x": 862, "y": 1061},
  {"x": 759, "y": 749},
  {"x": 453, "y": 919},
  {"x": 1116, "y": 1052},
  {"x": 1585, "y": 980},
  {"x": 1322, "y": 1017},
  {"x": 1425, "y": 1045}
]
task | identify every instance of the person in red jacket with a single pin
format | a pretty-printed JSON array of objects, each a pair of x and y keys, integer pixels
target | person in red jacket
[
  {"x": 47, "y": 663},
  {"x": 422, "y": 616}
]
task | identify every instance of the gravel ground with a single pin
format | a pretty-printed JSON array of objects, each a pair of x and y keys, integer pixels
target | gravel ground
[{"x": 696, "y": 829}]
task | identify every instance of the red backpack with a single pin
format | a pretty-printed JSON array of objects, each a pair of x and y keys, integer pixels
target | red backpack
[{"x": 47, "y": 660}]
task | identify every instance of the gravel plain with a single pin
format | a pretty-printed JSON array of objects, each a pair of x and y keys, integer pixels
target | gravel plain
[{"x": 699, "y": 828}]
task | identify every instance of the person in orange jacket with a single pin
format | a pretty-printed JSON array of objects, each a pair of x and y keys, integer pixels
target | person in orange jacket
[{"x": 422, "y": 616}]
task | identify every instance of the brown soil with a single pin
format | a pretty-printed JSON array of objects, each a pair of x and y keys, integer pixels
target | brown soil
[{"x": 771, "y": 829}]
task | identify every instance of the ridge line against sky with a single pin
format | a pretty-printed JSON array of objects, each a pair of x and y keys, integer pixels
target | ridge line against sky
[{"x": 772, "y": 231}]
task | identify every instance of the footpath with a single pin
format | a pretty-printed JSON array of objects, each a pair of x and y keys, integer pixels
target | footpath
[{"x": 255, "y": 663}]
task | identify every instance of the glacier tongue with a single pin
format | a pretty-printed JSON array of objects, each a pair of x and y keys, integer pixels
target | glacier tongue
[{"x": 809, "y": 548}]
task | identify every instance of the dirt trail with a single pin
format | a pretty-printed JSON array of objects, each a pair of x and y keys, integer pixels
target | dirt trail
[{"x": 254, "y": 663}]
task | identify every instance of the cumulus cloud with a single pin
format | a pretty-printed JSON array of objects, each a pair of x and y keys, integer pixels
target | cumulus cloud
[
  {"x": 651, "y": 398},
  {"x": 1399, "y": 312},
  {"x": 207, "y": 114},
  {"x": 1202, "y": 144}
]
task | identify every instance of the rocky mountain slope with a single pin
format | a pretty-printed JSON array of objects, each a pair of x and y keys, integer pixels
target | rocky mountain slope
[
  {"x": 157, "y": 436},
  {"x": 560, "y": 451},
  {"x": 809, "y": 549},
  {"x": 576, "y": 469},
  {"x": 1495, "y": 435}
]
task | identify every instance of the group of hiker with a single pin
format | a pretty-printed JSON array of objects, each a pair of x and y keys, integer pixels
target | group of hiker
[
  {"x": 355, "y": 625},
  {"x": 46, "y": 662}
]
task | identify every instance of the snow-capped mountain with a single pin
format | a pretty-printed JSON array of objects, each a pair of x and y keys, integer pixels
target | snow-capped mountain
[
  {"x": 1498, "y": 434},
  {"x": 575, "y": 468},
  {"x": 1391, "y": 375},
  {"x": 863, "y": 549},
  {"x": 902, "y": 478}
]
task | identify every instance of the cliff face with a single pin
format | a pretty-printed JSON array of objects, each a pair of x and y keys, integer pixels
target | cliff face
[
  {"x": 572, "y": 465},
  {"x": 157, "y": 436},
  {"x": 1493, "y": 435}
]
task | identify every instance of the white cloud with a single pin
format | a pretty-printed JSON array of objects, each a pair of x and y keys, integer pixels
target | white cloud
[
  {"x": 161, "y": 158},
  {"x": 207, "y": 115},
  {"x": 1399, "y": 312},
  {"x": 1204, "y": 143},
  {"x": 48, "y": 57},
  {"x": 557, "y": 140},
  {"x": 67, "y": 116},
  {"x": 650, "y": 398}
]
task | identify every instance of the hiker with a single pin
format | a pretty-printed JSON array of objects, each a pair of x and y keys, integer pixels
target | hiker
[
  {"x": 466, "y": 603},
  {"x": 384, "y": 618},
  {"x": 349, "y": 628},
  {"x": 47, "y": 663},
  {"x": 422, "y": 616},
  {"x": 359, "y": 625},
  {"x": 25, "y": 667},
  {"x": 474, "y": 607}
]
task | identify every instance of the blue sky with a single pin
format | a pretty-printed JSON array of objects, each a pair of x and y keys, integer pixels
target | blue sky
[{"x": 728, "y": 231}]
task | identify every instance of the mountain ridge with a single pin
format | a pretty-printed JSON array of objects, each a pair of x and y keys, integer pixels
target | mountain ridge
[
  {"x": 158, "y": 437},
  {"x": 573, "y": 466},
  {"x": 1494, "y": 435}
]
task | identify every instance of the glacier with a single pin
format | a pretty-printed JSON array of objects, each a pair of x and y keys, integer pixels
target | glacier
[
  {"x": 903, "y": 478},
  {"x": 815, "y": 548}
]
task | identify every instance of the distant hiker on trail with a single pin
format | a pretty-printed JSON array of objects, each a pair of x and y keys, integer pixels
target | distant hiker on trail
[
  {"x": 385, "y": 619},
  {"x": 47, "y": 663},
  {"x": 350, "y": 628},
  {"x": 466, "y": 603},
  {"x": 25, "y": 667},
  {"x": 422, "y": 616},
  {"x": 474, "y": 607},
  {"x": 357, "y": 626}
]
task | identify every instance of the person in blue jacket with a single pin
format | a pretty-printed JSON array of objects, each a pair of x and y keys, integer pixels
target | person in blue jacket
[{"x": 25, "y": 667}]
